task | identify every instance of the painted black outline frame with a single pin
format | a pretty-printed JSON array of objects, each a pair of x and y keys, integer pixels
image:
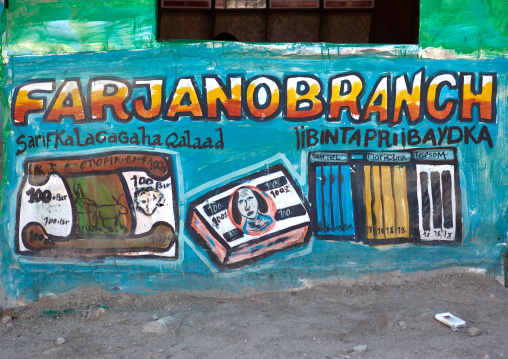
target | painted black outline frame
[
  {"x": 311, "y": 180},
  {"x": 458, "y": 195}
]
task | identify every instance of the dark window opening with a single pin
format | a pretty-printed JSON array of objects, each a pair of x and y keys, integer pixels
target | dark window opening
[{"x": 333, "y": 21}]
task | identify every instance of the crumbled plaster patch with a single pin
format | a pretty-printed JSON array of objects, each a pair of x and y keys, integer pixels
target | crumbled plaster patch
[
  {"x": 447, "y": 54},
  {"x": 389, "y": 278},
  {"x": 5, "y": 55},
  {"x": 478, "y": 270},
  {"x": 383, "y": 50},
  {"x": 2, "y": 297},
  {"x": 437, "y": 53}
]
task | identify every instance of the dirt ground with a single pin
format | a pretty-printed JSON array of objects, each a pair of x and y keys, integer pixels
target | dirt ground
[{"x": 392, "y": 315}]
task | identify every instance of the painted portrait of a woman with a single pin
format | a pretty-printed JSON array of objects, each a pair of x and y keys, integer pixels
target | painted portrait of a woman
[{"x": 250, "y": 211}]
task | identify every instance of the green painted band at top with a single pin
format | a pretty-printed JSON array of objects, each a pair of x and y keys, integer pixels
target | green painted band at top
[
  {"x": 472, "y": 27},
  {"x": 476, "y": 27}
]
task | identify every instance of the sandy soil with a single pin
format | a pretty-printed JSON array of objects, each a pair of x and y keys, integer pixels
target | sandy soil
[{"x": 394, "y": 318}]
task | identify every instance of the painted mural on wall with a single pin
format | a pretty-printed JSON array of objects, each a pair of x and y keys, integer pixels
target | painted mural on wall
[
  {"x": 363, "y": 180},
  {"x": 122, "y": 203},
  {"x": 251, "y": 217},
  {"x": 166, "y": 164},
  {"x": 276, "y": 163},
  {"x": 393, "y": 197}
]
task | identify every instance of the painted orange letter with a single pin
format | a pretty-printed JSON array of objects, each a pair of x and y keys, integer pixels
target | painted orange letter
[
  {"x": 437, "y": 111},
  {"x": 109, "y": 93},
  {"x": 484, "y": 99},
  {"x": 185, "y": 100},
  {"x": 374, "y": 105},
  {"x": 215, "y": 92},
  {"x": 68, "y": 102},
  {"x": 345, "y": 92},
  {"x": 151, "y": 108},
  {"x": 303, "y": 98},
  {"x": 24, "y": 103},
  {"x": 263, "y": 105},
  {"x": 411, "y": 100}
]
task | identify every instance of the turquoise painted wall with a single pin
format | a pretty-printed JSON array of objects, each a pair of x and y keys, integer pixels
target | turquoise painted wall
[{"x": 72, "y": 43}]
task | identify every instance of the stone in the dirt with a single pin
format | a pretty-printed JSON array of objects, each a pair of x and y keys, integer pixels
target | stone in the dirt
[
  {"x": 402, "y": 324},
  {"x": 51, "y": 352},
  {"x": 15, "y": 314},
  {"x": 47, "y": 295},
  {"x": 60, "y": 341},
  {"x": 124, "y": 298},
  {"x": 390, "y": 319},
  {"x": 473, "y": 332},
  {"x": 95, "y": 312},
  {"x": 158, "y": 327},
  {"x": 6, "y": 319},
  {"x": 360, "y": 348}
]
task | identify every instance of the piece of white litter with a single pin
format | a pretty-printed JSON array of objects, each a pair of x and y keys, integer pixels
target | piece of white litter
[
  {"x": 450, "y": 320},
  {"x": 360, "y": 348}
]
